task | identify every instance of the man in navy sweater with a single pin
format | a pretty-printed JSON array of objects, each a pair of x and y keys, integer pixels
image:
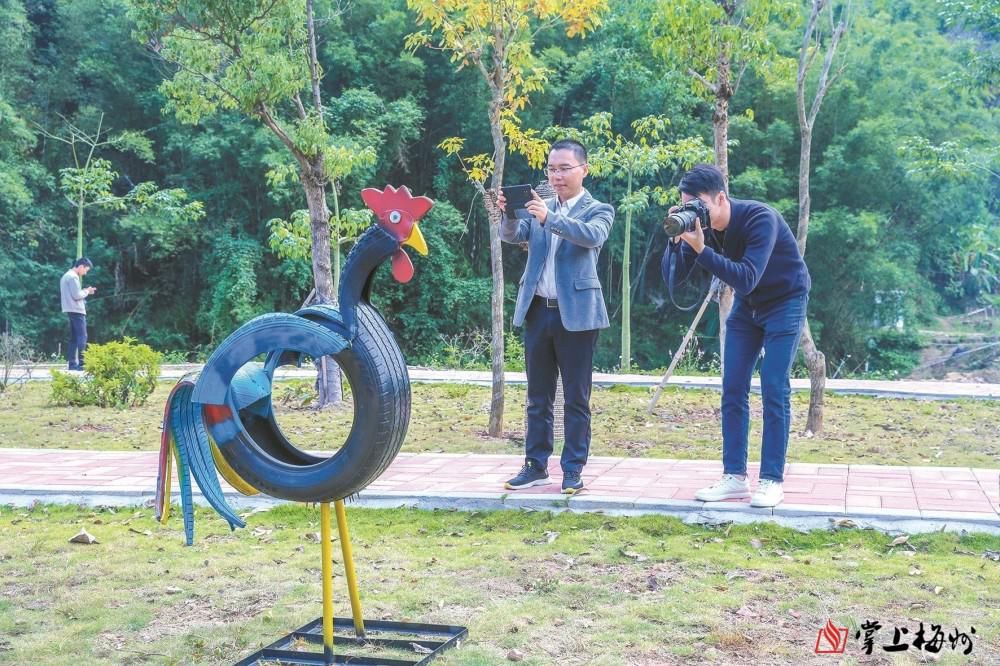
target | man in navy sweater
[{"x": 751, "y": 248}]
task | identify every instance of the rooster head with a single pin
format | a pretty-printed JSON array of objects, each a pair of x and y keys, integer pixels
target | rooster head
[{"x": 398, "y": 211}]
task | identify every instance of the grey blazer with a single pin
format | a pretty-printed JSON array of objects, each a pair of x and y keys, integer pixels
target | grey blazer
[{"x": 583, "y": 232}]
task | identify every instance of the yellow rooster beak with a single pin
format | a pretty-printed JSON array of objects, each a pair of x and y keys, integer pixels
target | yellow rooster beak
[{"x": 416, "y": 240}]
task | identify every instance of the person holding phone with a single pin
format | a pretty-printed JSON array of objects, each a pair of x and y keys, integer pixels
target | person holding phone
[
  {"x": 73, "y": 296},
  {"x": 561, "y": 306}
]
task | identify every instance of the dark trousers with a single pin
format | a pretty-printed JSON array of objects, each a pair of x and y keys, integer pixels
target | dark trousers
[
  {"x": 550, "y": 349},
  {"x": 77, "y": 340},
  {"x": 776, "y": 329}
]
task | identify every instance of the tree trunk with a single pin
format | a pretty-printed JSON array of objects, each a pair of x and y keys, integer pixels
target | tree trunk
[
  {"x": 815, "y": 359},
  {"x": 627, "y": 288},
  {"x": 335, "y": 240},
  {"x": 495, "y": 428},
  {"x": 816, "y": 362},
  {"x": 328, "y": 380},
  {"x": 720, "y": 127},
  {"x": 79, "y": 228}
]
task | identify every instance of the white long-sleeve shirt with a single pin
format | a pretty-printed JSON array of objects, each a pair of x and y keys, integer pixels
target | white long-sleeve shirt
[{"x": 547, "y": 282}]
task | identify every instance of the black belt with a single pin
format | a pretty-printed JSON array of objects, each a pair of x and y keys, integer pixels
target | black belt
[{"x": 547, "y": 302}]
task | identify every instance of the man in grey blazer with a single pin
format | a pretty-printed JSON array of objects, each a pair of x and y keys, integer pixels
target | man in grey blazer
[{"x": 561, "y": 306}]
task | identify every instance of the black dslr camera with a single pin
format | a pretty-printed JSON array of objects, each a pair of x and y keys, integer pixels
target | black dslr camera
[{"x": 686, "y": 217}]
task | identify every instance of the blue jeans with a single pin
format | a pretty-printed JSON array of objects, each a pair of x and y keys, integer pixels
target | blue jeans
[
  {"x": 776, "y": 329},
  {"x": 77, "y": 340}
]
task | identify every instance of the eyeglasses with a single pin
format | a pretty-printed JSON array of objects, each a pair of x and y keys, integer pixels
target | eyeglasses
[{"x": 558, "y": 171}]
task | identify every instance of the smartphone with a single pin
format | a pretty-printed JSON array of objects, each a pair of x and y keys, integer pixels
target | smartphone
[{"x": 517, "y": 196}]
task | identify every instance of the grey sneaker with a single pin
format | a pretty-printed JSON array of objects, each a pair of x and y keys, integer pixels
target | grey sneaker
[
  {"x": 572, "y": 483},
  {"x": 530, "y": 475}
]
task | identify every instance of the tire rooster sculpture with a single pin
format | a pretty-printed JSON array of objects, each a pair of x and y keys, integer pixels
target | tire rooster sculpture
[{"x": 223, "y": 420}]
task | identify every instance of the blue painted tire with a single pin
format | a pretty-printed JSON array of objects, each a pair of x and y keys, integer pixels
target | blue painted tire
[{"x": 376, "y": 370}]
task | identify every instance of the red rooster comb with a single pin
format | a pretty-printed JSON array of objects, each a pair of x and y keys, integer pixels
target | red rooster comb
[{"x": 398, "y": 211}]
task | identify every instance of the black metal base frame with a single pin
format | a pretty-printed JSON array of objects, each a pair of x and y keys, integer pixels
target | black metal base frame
[{"x": 428, "y": 641}]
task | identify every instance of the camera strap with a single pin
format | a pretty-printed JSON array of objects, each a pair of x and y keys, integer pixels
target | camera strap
[{"x": 674, "y": 250}]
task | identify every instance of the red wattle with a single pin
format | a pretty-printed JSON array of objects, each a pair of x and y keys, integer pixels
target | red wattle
[{"x": 402, "y": 267}]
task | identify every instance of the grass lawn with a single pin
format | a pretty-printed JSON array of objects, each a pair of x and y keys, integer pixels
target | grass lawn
[
  {"x": 560, "y": 588},
  {"x": 452, "y": 418}
]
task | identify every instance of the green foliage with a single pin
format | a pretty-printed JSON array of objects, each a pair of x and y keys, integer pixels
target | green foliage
[
  {"x": 691, "y": 35},
  {"x": 893, "y": 354},
  {"x": 233, "y": 298},
  {"x": 903, "y": 198},
  {"x": 118, "y": 374}
]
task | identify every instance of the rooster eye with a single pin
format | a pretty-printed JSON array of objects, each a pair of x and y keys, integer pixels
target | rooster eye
[{"x": 395, "y": 217}]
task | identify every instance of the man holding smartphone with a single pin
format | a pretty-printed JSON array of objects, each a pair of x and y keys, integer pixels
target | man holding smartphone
[
  {"x": 73, "y": 297},
  {"x": 561, "y": 306}
]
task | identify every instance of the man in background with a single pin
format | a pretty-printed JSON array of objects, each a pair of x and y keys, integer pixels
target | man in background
[{"x": 74, "y": 304}]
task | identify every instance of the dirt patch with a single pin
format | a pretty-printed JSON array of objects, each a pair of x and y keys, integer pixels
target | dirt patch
[
  {"x": 25, "y": 597},
  {"x": 202, "y": 611},
  {"x": 92, "y": 427}
]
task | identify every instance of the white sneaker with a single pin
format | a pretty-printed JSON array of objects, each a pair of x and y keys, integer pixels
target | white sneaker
[
  {"x": 729, "y": 487},
  {"x": 768, "y": 493}
]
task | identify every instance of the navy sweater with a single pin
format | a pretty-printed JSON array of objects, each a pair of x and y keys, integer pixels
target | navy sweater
[{"x": 759, "y": 258}]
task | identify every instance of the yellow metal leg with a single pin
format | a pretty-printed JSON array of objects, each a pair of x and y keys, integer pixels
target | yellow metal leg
[
  {"x": 352, "y": 579},
  {"x": 327, "y": 551}
]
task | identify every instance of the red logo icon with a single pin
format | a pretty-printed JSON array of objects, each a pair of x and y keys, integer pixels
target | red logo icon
[{"x": 831, "y": 639}]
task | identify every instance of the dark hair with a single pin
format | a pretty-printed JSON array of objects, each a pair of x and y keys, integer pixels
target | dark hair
[
  {"x": 83, "y": 261},
  {"x": 572, "y": 145},
  {"x": 703, "y": 179}
]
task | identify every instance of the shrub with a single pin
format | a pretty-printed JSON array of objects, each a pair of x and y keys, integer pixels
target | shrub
[
  {"x": 14, "y": 350},
  {"x": 892, "y": 354},
  {"x": 118, "y": 374}
]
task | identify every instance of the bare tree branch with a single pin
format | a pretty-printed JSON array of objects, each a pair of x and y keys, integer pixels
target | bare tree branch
[
  {"x": 268, "y": 119},
  {"x": 299, "y": 107},
  {"x": 713, "y": 88},
  {"x": 313, "y": 60}
]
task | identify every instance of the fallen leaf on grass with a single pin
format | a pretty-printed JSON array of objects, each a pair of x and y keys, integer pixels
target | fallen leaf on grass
[
  {"x": 142, "y": 532},
  {"x": 938, "y": 589},
  {"x": 915, "y": 571},
  {"x": 842, "y": 523},
  {"x": 548, "y": 538},
  {"x": 84, "y": 537},
  {"x": 638, "y": 557}
]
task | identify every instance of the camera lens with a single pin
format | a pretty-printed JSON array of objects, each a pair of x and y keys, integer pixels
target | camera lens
[{"x": 679, "y": 222}]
